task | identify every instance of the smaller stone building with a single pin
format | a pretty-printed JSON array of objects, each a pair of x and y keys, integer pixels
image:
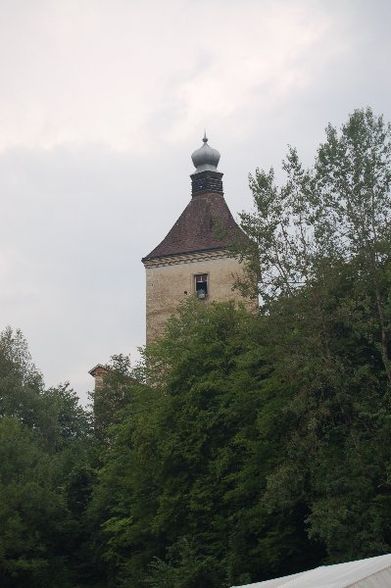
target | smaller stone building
[
  {"x": 99, "y": 372},
  {"x": 194, "y": 258}
]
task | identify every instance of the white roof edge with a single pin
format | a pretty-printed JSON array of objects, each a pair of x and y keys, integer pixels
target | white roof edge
[{"x": 341, "y": 575}]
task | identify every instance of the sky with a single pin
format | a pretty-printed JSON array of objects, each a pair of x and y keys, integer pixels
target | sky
[{"x": 102, "y": 104}]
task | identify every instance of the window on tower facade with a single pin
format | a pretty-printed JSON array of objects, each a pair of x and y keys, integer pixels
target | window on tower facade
[{"x": 201, "y": 285}]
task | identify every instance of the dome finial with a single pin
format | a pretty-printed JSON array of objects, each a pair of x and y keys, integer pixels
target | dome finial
[{"x": 205, "y": 158}]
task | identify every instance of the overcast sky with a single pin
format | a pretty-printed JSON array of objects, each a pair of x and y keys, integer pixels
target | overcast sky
[{"x": 102, "y": 103}]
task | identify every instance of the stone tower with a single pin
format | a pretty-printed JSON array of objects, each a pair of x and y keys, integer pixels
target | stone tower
[{"x": 193, "y": 259}]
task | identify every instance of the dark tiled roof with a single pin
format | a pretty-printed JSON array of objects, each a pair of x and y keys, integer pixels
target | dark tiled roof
[{"x": 206, "y": 223}]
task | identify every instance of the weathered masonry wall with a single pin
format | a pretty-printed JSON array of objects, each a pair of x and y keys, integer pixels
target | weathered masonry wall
[{"x": 170, "y": 280}]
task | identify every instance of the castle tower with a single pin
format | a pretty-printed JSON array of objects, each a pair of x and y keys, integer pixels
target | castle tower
[{"x": 193, "y": 259}]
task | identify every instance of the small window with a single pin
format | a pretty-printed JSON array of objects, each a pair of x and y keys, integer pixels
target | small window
[{"x": 201, "y": 285}]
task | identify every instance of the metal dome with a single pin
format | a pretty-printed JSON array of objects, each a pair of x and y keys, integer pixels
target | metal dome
[{"x": 205, "y": 158}]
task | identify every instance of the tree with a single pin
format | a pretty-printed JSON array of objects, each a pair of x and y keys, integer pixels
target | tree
[
  {"x": 21, "y": 385},
  {"x": 45, "y": 473},
  {"x": 334, "y": 458},
  {"x": 115, "y": 394},
  {"x": 33, "y": 512},
  {"x": 337, "y": 211},
  {"x": 186, "y": 466},
  {"x": 323, "y": 259}
]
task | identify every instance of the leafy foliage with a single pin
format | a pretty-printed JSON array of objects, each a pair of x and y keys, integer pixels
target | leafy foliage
[
  {"x": 188, "y": 464},
  {"x": 43, "y": 444},
  {"x": 246, "y": 446}
]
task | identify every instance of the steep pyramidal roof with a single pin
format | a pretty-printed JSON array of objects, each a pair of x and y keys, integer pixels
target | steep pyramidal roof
[{"x": 206, "y": 223}]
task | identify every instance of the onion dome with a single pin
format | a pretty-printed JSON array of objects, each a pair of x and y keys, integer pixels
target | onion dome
[{"x": 205, "y": 158}]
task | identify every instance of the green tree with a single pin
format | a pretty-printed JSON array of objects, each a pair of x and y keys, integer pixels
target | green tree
[
  {"x": 21, "y": 385},
  {"x": 323, "y": 257},
  {"x": 45, "y": 473},
  {"x": 185, "y": 469},
  {"x": 334, "y": 458},
  {"x": 32, "y": 512},
  {"x": 115, "y": 394},
  {"x": 338, "y": 210}
]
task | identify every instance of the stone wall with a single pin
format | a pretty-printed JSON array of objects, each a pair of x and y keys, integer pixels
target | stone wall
[{"x": 171, "y": 280}]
